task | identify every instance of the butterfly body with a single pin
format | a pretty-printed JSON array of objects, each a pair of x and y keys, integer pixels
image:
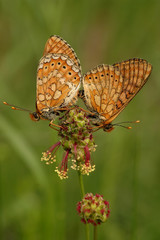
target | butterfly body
[{"x": 48, "y": 114}]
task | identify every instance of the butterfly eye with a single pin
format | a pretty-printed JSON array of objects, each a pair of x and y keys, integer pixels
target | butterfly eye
[
  {"x": 46, "y": 67},
  {"x": 95, "y": 77},
  {"x": 64, "y": 67},
  {"x": 102, "y": 75},
  {"x": 111, "y": 75},
  {"x": 75, "y": 78},
  {"x": 52, "y": 64},
  {"x": 34, "y": 116},
  {"x": 70, "y": 73},
  {"x": 108, "y": 128},
  {"x": 59, "y": 63}
]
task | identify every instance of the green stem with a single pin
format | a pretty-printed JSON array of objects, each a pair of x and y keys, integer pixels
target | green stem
[
  {"x": 81, "y": 184},
  {"x": 95, "y": 232},
  {"x": 82, "y": 194}
]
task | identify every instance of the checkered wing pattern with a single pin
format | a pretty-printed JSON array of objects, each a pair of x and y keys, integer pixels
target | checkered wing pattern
[
  {"x": 56, "y": 44},
  {"x": 58, "y": 81},
  {"x": 108, "y": 89}
]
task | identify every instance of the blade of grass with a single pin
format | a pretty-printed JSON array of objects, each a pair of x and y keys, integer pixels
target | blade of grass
[{"x": 23, "y": 148}]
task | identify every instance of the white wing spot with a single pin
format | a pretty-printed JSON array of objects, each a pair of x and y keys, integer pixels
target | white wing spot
[
  {"x": 75, "y": 68},
  {"x": 54, "y": 73},
  {"x": 123, "y": 97},
  {"x": 55, "y": 56},
  {"x": 69, "y": 62},
  {"x": 94, "y": 70},
  {"x": 113, "y": 92},
  {"x": 48, "y": 96},
  {"x": 99, "y": 87},
  {"x": 39, "y": 81},
  {"x": 97, "y": 100},
  {"x": 45, "y": 79},
  {"x": 100, "y": 68},
  {"x": 41, "y": 97},
  {"x": 47, "y": 60},
  {"x": 109, "y": 108},
  {"x": 57, "y": 94},
  {"x": 59, "y": 75},
  {"x": 115, "y": 97},
  {"x": 63, "y": 57},
  {"x": 62, "y": 80},
  {"x": 70, "y": 85},
  {"x": 104, "y": 96},
  {"x": 53, "y": 87},
  {"x": 40, "y": 66},
  {"x": 103, "y": 106}
]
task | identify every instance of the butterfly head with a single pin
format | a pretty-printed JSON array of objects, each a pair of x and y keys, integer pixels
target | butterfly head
[{"x": 108, "y": 127}]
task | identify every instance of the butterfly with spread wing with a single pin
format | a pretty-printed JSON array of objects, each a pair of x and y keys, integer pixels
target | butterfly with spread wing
[
  {"x": 108, "y": 89},
  {"x": 58, "y": 80}
]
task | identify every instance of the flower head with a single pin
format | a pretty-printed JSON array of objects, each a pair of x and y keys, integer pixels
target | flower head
[
  {"x": 49, "y": 156},
  {"x": 77, "y": 141},
  {"x": 93, "y": 209}
]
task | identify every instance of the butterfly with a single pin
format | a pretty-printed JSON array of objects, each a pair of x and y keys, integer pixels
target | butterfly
[
  {"x": 58, "y": 80},
  {"x": 109, "y": 88}
]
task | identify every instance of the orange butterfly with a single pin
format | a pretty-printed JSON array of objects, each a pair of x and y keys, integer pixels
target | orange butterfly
[
  {"x": 58, "y": 80},
  {"x": 108, "y": 89}
]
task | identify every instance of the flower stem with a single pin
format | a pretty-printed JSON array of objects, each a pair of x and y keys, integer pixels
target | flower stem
[
  {"x": 82, "y": 194},
  {"x": 81, "y": 184},
  {"x": 95, "y": 232}
]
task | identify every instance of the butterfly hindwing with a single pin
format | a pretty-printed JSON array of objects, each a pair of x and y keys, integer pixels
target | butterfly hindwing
[
  {"x": 102, "y": 86},
  {"x": 108, "y": 89},
  {"x": 58, "y": 81},
  {"x": 135, "y": 73}
]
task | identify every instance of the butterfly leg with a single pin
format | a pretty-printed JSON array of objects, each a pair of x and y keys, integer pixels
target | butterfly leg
[
  {"x": 84, "y": 110},
  {"x": 95, "y": 128},
  {"x": 52, "y": 125},
  {"x": 81, "y": 94},
  {"x": 61, "y": 109}
]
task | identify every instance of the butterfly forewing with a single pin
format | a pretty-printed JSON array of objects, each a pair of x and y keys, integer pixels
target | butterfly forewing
[
  {"x": 56, "y": 44},
  {"x": 58, "y": 81},
  {"x": 108, "y": 89}
]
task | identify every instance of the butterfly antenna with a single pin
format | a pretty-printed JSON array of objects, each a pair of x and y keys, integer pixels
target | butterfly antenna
[
  {"x": 127, "y": 127},
  {"x": 17, "y": 108},
  {"x": 137, "y": 121},
  {"x": 119, "y": 125}
]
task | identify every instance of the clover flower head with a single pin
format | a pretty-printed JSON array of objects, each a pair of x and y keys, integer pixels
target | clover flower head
[{"x": 93, "y": 209}]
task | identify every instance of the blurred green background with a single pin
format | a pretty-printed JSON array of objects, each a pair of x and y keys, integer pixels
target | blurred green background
[{"x": 34, "y": 203}]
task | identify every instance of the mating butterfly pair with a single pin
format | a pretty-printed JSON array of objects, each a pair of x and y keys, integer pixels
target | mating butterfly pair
[{"x": 107, "y": 89}]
